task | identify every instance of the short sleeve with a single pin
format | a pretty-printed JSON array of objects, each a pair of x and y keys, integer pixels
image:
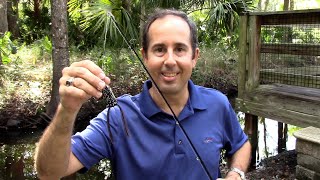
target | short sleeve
[
  {"x": 234, "y": 136},
  {"x": 93, "y": 144}
]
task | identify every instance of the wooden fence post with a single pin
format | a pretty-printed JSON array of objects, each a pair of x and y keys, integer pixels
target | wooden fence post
[{"x": 251, "y": 129}]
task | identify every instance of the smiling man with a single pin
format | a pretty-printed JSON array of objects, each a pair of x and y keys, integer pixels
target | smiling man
[{"x": 157, "y": 147}]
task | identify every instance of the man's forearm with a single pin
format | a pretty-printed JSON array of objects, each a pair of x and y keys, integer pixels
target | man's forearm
[
  {"x": 53, "y": 151},
  {"x": 241, "y": 158}
]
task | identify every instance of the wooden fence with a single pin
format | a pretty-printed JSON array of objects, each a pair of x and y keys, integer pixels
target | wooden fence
[
  {"x": 287, "y": 92},
  {"x": 279, "y": 69}
]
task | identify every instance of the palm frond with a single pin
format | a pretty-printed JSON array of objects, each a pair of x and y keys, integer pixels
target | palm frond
[
  {"x": 75, "y": 6},
  {"x": 97, "y": 20}
]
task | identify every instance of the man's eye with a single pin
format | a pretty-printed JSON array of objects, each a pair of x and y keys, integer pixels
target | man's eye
[
  {"x": 180, "y": 49},
  {"x": 159, "y": 50}
]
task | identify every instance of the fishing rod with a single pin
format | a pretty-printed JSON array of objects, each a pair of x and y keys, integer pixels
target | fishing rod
[{"x": 198, "y": 158}]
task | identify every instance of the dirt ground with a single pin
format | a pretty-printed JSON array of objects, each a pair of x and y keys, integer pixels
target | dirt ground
[{"x": 281, "y": 166}]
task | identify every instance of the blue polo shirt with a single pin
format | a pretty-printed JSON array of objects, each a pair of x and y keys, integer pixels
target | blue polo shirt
[{"x": 156, "y": 147}]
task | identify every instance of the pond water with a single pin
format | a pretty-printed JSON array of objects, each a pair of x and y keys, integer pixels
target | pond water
[
  {"x": 17, "y": 151},
  {"x": 16, "y": 158},
  {"x": 272, "y": 139}
]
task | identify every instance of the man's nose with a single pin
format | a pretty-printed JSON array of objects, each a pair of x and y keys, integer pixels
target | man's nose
[{"x": 170, "y": 58}]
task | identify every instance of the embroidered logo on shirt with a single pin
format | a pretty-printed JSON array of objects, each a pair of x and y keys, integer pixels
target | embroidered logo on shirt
[{"x": 208, "y": 140}]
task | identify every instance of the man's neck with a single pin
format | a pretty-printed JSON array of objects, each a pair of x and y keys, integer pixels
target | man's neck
[{"x": 176, "y": 101}]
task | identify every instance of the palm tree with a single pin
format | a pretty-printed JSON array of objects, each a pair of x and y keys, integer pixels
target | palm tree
[
  {"x": 60, "y": 53},
  {"x": 96, "y": 18},
  {"x": 3, "y": 17},
  {"x": 222, "y": 15}
]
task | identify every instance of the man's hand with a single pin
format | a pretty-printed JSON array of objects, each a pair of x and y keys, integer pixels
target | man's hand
[
  {"x": 79, "y": 82},
  {"x": 88, "y": 81}
]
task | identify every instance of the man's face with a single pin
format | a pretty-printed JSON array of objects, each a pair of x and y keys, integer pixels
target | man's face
[{"x": 169, "y": 55}]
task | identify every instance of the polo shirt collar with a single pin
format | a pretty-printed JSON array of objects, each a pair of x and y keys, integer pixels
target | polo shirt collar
[
  {"x": 197, "y": 100},
  {"x": 147, "y": 105},
  {"x": 149, "y": 108}
]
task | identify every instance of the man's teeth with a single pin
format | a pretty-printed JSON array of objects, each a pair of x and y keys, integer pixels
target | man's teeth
[{"x": 170, "y": 74}]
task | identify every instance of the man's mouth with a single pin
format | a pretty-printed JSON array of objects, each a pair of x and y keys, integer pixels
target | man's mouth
[{"x": 169, "y": 74}]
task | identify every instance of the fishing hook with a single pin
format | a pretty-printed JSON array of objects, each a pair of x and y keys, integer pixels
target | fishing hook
[{"x": 198, "y": 158}]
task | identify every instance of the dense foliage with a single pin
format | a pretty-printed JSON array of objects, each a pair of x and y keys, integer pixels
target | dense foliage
[{"x": 93, "y": 35}]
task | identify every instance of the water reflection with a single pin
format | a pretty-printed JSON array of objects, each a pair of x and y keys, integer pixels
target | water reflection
[{"x": 17, "y": 154}]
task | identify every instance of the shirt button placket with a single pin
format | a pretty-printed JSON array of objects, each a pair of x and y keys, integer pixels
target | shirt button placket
[{"x": 179, "y": 141}]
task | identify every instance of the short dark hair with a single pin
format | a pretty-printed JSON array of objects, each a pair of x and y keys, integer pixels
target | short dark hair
[{"x": 160, "y": 13}]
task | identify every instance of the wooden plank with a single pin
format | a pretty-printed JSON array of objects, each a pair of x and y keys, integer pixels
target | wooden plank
[
  {"x": 312, "y": 70},
  {"x": 266, "y": 13},
  {"x": 289, "y": 48},
  {"x": 292, "y": 105},
  {"x": 289, "y": 104},
  {"x": 277, "y": 112},
  {"x": 254, "y": 53},
  {"x": 243, "y": 49},
  {"x": 289, "y": 17},
  {"x": 293, "y": 92},
  {"x": 294, "y": 18}
]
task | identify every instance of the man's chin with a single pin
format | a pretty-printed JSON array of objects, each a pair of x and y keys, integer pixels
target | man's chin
[{"x": 169, "y": 89}]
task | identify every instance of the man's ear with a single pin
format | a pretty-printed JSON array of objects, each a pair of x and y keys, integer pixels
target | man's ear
[
  {"x": 196, "y": 57},
  {"x": 144, "y": 54}
]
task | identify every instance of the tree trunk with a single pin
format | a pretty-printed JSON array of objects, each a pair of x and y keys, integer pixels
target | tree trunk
[
  {"x": 291, "y": 5},
  {"x": 266, "y": 4},
  {"x": 12, "y": 14},
  {"x": 3, "y": 17},
  {"x": 231, "y": 28},
  {"x": 60, "y": 53},
  {"x": 36, "y": 11},
  {"x": 286, "y": 5},
  {"x": 142, "y": 16},
  {"x": 259, "y": 8},
  {"x": 0, "y": 67}
]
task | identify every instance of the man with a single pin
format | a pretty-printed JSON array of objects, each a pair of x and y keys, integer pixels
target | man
[{"x": 156, "y": 147}]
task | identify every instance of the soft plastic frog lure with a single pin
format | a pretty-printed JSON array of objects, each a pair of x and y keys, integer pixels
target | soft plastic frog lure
[{"x": 111, "y": 102}]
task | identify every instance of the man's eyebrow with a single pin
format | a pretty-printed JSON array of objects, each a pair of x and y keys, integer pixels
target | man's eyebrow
[
  {"x": 158, "y": 45},
  {"x": 181, "y": 44}
]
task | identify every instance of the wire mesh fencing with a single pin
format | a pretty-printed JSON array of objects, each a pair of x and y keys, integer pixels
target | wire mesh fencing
[{"x": 290, "y": 51}]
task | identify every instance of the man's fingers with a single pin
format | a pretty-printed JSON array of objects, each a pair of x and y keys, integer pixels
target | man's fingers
[
  {"x": 90, "y": 90},
  {"x": 86, "y": 75},
  {"x": 72, "y": 91},
  {"x": 81, "y": 84},
  {"x": 91, "y": 66}
]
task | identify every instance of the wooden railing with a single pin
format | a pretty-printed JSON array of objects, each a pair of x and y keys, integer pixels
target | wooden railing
[{"x": 285, "y": 99}]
